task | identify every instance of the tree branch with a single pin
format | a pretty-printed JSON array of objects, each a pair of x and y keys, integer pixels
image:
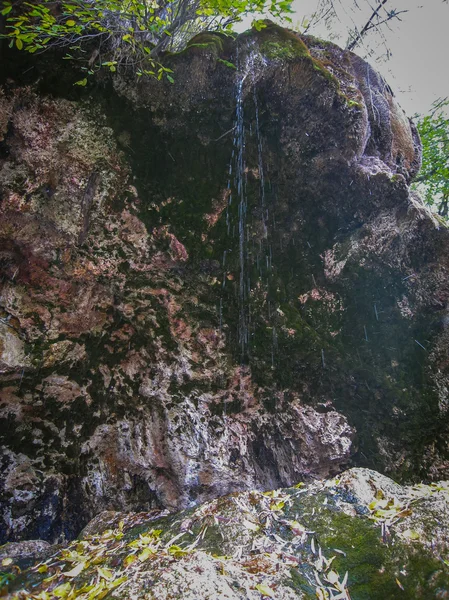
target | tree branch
[{"x": 368, "y": 25}]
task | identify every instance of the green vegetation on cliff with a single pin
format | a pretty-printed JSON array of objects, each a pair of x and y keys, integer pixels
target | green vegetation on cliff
[
  {"x": 133, "y": 33},
  {"x": 434, "y": 176}
]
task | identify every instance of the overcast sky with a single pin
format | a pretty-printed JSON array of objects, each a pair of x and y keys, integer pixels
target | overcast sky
[{"x": 418, "y": 70}]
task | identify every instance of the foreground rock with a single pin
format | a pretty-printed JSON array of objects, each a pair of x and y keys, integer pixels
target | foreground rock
[
  {"x": 165, "y": 340},
  {"x": 360, "y": 536}
]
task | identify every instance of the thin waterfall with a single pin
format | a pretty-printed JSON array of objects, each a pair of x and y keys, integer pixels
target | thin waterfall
[
  {"x": 237, "y": 215},
  {"x": 261, "y": 171},
  {"x": 240, "y": 184}
]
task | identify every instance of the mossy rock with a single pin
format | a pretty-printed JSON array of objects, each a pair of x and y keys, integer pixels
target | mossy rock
[
  {"x": 280, "y": 44},
  {"x": 354, "y": 535},
  {"x": 215, "y": 42}
]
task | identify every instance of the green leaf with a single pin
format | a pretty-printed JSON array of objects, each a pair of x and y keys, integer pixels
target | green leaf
[
  {"x": 6, "y": 10},
  {"x": 19, "y": 43},
  {"x": 82, "y": 82},
  {"x": 70, "y": 23},
  {"x": 170, "y": 78},
  {"x": 258, "y": 24},
  {"x": 227, "y": 63}
]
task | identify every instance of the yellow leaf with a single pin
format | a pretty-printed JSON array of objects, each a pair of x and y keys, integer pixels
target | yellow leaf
[
  {"x": 97, "y": 591},
  {"x": 145, "y": 554},
  {"x": 118, "y": 582},
  {"x": 19, "y": 44},
  {"x": 129, "y": 560},
  {"x": 399, "y": 584},
  {"x": 6, "y": 562},
  {"x": 177, "y": 551},
  {"x": 62, "y": 591},
  {"x": 265, "y": 590},
  {"x": 42, "y": 569}
]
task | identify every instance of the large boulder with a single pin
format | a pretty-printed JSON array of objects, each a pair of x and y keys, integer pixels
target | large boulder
[
  {"x": 361, "y": 537},
  {"x": 213, "y": 285}
]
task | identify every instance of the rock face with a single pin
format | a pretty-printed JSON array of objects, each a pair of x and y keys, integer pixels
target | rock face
[
  {"x": 211, "y": 286},
  {"x": 361, "y": 536}
]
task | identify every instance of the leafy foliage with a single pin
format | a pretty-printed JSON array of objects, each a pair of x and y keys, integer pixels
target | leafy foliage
[
  {"x": 113, "y": 33},
  {"x": 433, "y": 180}
]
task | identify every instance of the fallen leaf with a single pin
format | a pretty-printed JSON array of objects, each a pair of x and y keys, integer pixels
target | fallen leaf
[
  {"x": 76, "y": 570},
  {"x": 399, "y": 584},
  {"x": 105, "y": 573},
  {"x": 177, "y": 551},
  {"x": 332, "y": 577},
  {"x": 146, "y": 553},
  {"x": 129, "y": 560},
  {"x": 249, "y": 525},
  {"x": 265, "y": 590},
  {"x": 62, "y": 591},
  {"x": 410, "y": 534}
]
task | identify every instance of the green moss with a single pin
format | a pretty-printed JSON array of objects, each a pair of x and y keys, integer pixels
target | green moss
[
  {"x": 354, "y": 103},
  {"x": 211, "y": 41},
  {"x": 320, "y": 66},
  {"x": 284, "y": 50},
  {"x": 278, "y": 43},
  {"x": 373, "y": 565}
]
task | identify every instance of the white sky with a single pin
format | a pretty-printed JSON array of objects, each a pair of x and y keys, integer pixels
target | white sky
[{"x": 418, "y": 70}]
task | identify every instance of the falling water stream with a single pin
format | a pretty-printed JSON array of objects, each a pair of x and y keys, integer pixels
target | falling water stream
[
  {"x": 240, "y": 184},
  {"x": 238, "y": 224}
]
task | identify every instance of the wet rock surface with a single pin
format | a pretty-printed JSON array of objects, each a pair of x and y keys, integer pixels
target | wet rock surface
[
  {"x": 211, "y": 286},
  {"x": 360, "y": 536}
]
